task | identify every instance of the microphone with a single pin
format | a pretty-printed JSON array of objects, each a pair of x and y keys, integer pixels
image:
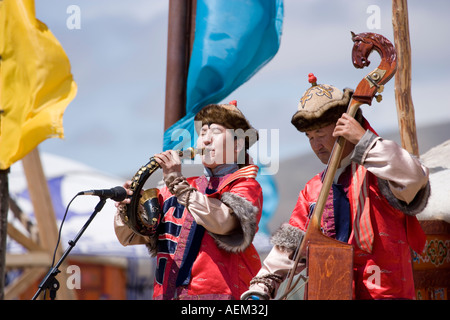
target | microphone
[{"x": 116, "y": 193}]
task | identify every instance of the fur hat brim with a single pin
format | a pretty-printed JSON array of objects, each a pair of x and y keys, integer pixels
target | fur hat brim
[
  {"x": 328, "y": 113},
  {"x": 228, "y": 116}
]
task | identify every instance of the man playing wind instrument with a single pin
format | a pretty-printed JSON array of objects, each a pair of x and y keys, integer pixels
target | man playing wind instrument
[{"x": 203, "y": 244}]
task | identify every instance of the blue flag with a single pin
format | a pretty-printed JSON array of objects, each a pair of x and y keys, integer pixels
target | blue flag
[{"x": 233, "y": 40}]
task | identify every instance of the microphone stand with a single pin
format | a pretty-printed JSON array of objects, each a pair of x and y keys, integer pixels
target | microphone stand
[{"x": 50, "y": 282}]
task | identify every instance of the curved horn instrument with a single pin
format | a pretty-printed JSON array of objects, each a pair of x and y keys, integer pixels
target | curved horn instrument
[
  {"x": 146, "y": 221},
  {"x": 368, "y": 87}
]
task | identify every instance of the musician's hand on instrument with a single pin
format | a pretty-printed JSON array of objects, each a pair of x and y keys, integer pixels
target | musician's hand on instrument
[
  {"x": 349, "y": 128},
  {"x": 127, "y": 186},
  {"x": 169, "y": 161}
]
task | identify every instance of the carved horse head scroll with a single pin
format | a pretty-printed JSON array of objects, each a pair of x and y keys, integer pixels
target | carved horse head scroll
[{"x": 364, "y": 44}]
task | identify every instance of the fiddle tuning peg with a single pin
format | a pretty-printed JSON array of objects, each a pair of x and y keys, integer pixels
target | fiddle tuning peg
[
  {"x": 380, "y": 88},
  {"x": 379, "y": 97},
  {"x": 312, "y": 79}
]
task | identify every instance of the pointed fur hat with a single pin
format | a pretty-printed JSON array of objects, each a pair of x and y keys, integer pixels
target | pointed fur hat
[{"x": 320, "y": 105}]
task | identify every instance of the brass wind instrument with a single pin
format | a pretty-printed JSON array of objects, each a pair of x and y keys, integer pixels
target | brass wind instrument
[{"x": 146, "y": 221}]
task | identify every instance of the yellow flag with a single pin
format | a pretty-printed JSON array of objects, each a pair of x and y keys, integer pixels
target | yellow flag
[{"x": 36, "y": 83}]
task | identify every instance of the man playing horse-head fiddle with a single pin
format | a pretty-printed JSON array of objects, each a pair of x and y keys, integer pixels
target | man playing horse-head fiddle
[
  {"x": 376, "y": 193},
  {"x": 203, "y": 244}
]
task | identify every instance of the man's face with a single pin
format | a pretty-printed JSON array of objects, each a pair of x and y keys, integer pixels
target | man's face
[
  {"x": 322, "y": 142},
  {"x": 219, "y": 145}
]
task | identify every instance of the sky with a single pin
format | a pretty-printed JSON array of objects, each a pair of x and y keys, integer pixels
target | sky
[{"x": 118, "y": 49}]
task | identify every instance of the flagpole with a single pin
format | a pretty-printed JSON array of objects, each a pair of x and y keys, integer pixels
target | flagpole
[
  {"x": 4, "y": 206},
  {"x": 179, "y": 46},
  {"x": 405, "y": 106}
]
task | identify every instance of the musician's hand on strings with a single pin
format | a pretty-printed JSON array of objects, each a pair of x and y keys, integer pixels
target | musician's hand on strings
[
  {"x": 169, "y": 161},
  {"x": 349, "y": 128}
]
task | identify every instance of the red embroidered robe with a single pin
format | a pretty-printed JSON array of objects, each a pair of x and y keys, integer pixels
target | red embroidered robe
[
  {"x": 216, "y": 273},
  {"x": 381, "y": 237}
]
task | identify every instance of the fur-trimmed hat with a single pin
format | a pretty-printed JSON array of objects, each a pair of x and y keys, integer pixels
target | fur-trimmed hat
[
  {"x": 320, "y": 106},
  {"x": 229, "y": 116}
]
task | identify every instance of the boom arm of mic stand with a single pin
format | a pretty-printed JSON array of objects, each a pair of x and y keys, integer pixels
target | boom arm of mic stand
[{"x": 49, "y": 281}]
